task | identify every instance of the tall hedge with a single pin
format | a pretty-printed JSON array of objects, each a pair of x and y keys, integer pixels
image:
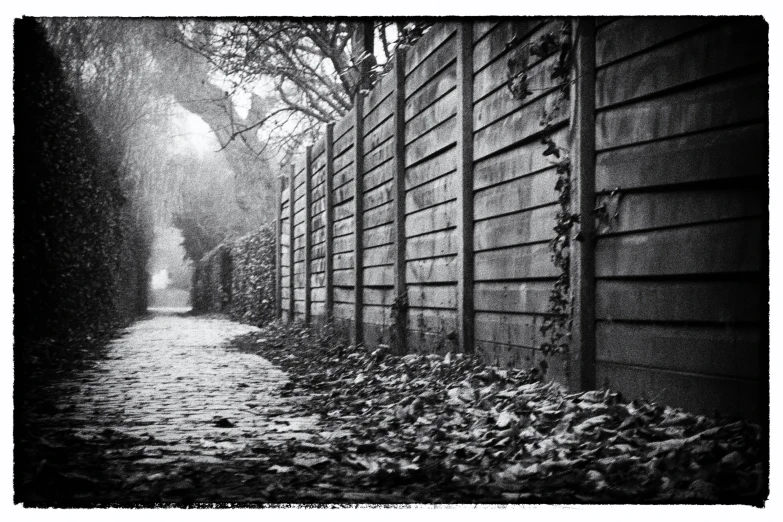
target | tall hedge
[
  {"x": 80, "y": 245},
  {"x": 238, "y": 278}
]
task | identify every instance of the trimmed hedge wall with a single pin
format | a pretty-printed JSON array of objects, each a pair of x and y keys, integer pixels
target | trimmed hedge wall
[
  {"x": 80, "y": 245},
  {"x": 238, "y": 278}
]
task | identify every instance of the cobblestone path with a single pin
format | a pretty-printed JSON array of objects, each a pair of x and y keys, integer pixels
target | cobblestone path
[{"x": 166, "y": 394}]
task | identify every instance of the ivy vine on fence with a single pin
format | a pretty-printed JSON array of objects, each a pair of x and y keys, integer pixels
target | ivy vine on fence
[{"x": 556, "y": 327}]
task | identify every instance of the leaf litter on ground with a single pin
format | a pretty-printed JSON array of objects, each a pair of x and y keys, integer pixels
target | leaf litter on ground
[{"x": 459, "y": 430}]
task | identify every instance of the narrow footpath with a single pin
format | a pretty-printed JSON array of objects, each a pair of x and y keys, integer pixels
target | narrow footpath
[{"x": 164, "y": 397}]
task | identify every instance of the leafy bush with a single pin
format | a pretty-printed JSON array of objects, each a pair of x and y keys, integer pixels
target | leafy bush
[
  {"x": 238, "y": 278},
  {"x": 80, "y": 245}
]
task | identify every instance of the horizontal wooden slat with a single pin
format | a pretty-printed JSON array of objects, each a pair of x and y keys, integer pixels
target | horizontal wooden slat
[
  {"x": 343, "y": 194},
  {"x": 343, "y": 227},
  {"x": 432, "y": 296},
  {"x": 431, "y": 219},
  {"x": 437, "y": 244},
  {"x": 382, "y": 235},
  {"x": 443, "y": 322},
  {"x": 379, "y": 296},
  {"x": 438, "y": 138},
  {"x": 343, "y": 244},
  {"x": 529, "y": 297},
  {"x": 379, "y": 156},
  {"x": 443, "y": 82},
  {"x": 529, "y": 261},
  {"x": 515, "y": 229},
  {"x": 343, "y": 311},
  {"x": 517, "y": 126},
  {"x": 344, "y": 125},
  {"x": 344, "y": 278},
  {"x": 720, "y": 154},
  {"x": 380, "y": 255},
  {"x": 633, "y": 34},
  {"x": 713, "y": 350},
  {"x": 640, "y": 211},
  {"x": 381, "y": 92},
  {"x": 431, "y": 169},
  {"x": 343, "y": 260},
  {"x": 432, "y": 193},
  {"x": 727, "y": 46},
  {"x": 696, "y": 393},
  {"x": 376, "y": 315},
  {"x": 737, "y": 100},
  {"x": 707, "y": 301},
  {"x": 378, "y": 115},
  {"x": 343, "y": 211},
  {"x": 437, "y": 270},
  {"x": 522, "y": 193},
  {"x": 734, "y": 246},
  {"x": 379, "y": 215},
  {"x": 482, "y": 27},
  {"x": 381, "y": 134},
  {"x": 428, "y": 44},
  {"x": 433, "y": 115},
  {"x": 513, "y": 329},
  {"x": 495, "y": 43},
  {"x": 378, "y": 276},
  {"x": 378, "y": 195},
  {"x": 343, "y": 145}
]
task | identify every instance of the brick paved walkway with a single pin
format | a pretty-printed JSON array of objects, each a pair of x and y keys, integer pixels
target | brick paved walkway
[{"x": 168, "y": 394}]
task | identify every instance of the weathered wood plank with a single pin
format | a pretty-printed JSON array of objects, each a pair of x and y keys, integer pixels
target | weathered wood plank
[
  {"x": 378, "y": 195},
  {"x": 714, "y": 350},
  {"x": 724, "y": 47},
  {"x": 734, "y": 101},
  {"x": 343, "y": 126},
  {"x": 729, "y": 301},
  {"x": 512, "y": 329},
  {"x": 344, "y": 145},
  {"x": 633, "y": 34},
  {"x": 500, "y": 103},
  {"x": 437, "y": 270},
  {"x": 437, "y": 244},
  {"x": 378, "y": 276},
  {"x": 380, "y": 94},
  {"x": 380, "y": 135},
  {"x": 529, "y": 297},
  {"x": 378, "y": 176},
  {"x": 431, "y": 169},
  {"x": 442, "y": 322},
  {"x": 434, "y": 141},
  {"x": 432, "y": 296},
  {"x": 521, "y": 262},
  {"x": 344, "y": 311},
  {"x": 696, "y": 393},
  {"x": 515, "y": 229},
  {"x": 734, "y": 246},
  {"x": 382, "y": 235},
  {"x": 344, "y": 193},
  {"x": 439, "y": 60},
  {"x": 504, "y": 355},
  {"x": 379, "y": 215},
  {"x": 317, "y": 293},
  {"x": 378, "y": 115},
  {"x": 377, "y": 315},
  {"x": 343, "y": 227},
  {"x": 519, "y": 194},
  {"x": 431, "y": 219},
  {"x": 517, "y": 126},
  {"x": 379, "y": 296},
  {"x": 343, "y": 210},
  {"x": 343, "y": 170},
  {"x": 441, "y": 110},
  {"x": 379, "y": 256},
  {"x": 342, "y": 244},
  {"x": 425, "y": 342},
  {"x": 494, "y": 44},
  {"x": 482, "y": 27},
  {"x": 343, "y": 278},
  {"x": 343, "y": 261},
  {"x": 641, "y": 211},
  {"x": 379, "y": 156},
  {"x": 441, "y": 84},
  {"x": 428, "y": 44},
  {"x": 432, "y": 193},
  {"x": 344, "y": 295},
  {"x": 720, "y": 154}
]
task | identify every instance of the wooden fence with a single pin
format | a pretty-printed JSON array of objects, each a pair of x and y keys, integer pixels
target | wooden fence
[{"x": 423, "y": 219}]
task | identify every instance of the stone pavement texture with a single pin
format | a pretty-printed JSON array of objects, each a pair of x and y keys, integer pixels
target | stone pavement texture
[{"x": 166, "y": 393}]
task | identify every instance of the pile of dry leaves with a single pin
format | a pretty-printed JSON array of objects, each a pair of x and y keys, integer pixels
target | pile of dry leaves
[{"x": 448, "y": 428}]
